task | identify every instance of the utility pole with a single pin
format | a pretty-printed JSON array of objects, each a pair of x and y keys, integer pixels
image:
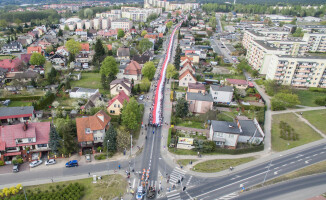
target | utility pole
[
  {"x": 107, "y": 149},
  {"x": 130, "y": 145}
]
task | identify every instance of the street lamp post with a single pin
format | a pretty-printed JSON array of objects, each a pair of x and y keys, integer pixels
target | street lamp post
[
  {"x": 24, "y": 192},
  {"x": 107, "y": 149}
]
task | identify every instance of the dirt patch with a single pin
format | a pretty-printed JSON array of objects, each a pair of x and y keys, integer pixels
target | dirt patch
[{"x": 221, "y": 70}]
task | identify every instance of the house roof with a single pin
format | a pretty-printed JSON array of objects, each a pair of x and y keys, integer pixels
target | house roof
[
  {"x": 62, "y": 48},
  {"x": 237, "y": 81},
  {"x": 122, "y": 82},
  {"x": 14, "y": 112},
  {"x": 133, "y": 68},
  {"x": 25, "y": 57},
  {"x": 225, "y": 127},
  {"x": 123, "y": 52},
  {"x": 34, "y": 49},
  {"x": 222, "y": 88},
  {"x": 99, "y": 121},
  {"x": 121, "y": 97},
  {"x": 249, "y": 128},
  {"x": 197, "y": 86},
  {"x": 84, "y": 46},
  {"x": 86, "y": 90},
  {"x": 9, "y": 134},
  {"x": 9, "y": 63},
  {"x": 185, "y": 74},
  {"x": 141, "y": 59},
  {"x": 20, "y": 75},
  {"x": 191, "y": 96}
]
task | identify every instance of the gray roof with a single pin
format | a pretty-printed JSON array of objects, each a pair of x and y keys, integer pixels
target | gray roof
[
  {"x": 10, "y": 111},
  {"x": 225, "y": 127},
  {"x": 123, "y": 51},
  {"x": 222, "y": 88},
  {"x": 249, "y": 128},
  {"x": 79, "y": 89},
  {"x": 199, "y": 97}
]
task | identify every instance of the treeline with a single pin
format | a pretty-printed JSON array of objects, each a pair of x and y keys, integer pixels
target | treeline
[
  {"x": 28, "y": 16},
  {"x": 295, "y": 10},
  {"x": 270, "y": 2}
]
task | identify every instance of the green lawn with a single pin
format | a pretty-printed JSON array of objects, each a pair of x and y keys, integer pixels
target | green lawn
[
  {"x": 191, "y": 124},
  {"x": 184, "y": 162},
  {"x": 316, "y": 118},
  {"x": 7, "y": 57},
  {"x": 306, "y": 134},
  {"x": 224, "y": 117},
  {"x": 219, "y": 164},
  {"x": 307, "y": 98},
  {"x": 89, "y": 80},
  {"x": 108, "y": 187},
  {"x": 20, "y": 103},
  {"x": 234, "y": 76}
]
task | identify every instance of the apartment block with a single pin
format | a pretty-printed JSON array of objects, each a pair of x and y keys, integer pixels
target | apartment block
[
  {"x": 139, "y": 14},
  {"x": 291, "y": 47},
  {"x": 316, "y": 41},
  {"x": 106, "y": 23},
  {"x": 298, "y": 71},
  {"x": 122, "y": 23},
  {"x": 97, "y": 23},
  {"x": 251, "y": 35},
  {"x": 88, "y": 24}
]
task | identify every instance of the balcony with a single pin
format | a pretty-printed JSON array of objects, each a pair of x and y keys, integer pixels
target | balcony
[
  {"x": 302, "y": 71},
  {"x": 301, "y": 75},
  {"x": 300, "y": 80}
]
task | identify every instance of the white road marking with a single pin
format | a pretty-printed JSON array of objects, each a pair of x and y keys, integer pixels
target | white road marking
[
  {"x": 315, "y": 155},
  {"x": 188, "y": 182},
  {"x": 298, "y": 156},
  {"x": 284, "y": 165},
  {"x": 229, "y": 196},
  {"x": 276, "y": 167},
  {"x": 308, "y": 157},
  {"x": 292, "y": 162},
  {"x": 300, "y": 159},
  {"x": 133, "y": 184},
  {"x": 322, "y": 152}
]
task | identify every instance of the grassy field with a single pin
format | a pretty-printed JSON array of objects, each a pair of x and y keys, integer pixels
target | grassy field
[
  {"x": 211, "y": 166},
  {"x": 108, "y": 187},
  {"x": 184, "y": 162},
  {"x": 89, "y": 80},
  {"x": 307, "y": 98},
  {"x": 316, "y": 118},
  {"x": 309, "y": 170},
  {"x": 306, "y": 134},
  {"x": 225, "y": 117},
  {"x": 20, "y": 103},
  {"x": 7, "y": 57},
  {"x": 191, "y": 124}
]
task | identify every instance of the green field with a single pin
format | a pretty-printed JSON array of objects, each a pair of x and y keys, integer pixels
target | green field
[
  {"x": 191, "y": 124},
  {"x": 20, "y": 103},
  {"x": 7, "y": 57},
  {"x": 316, "y": 118},
  {"x": 307, "y": 98},
  {"x": 89, "y": 80},
  {"x": 306, "y": 134},
  {"x": 184, "y": 162},
  {"x": 211, "y": 166}
]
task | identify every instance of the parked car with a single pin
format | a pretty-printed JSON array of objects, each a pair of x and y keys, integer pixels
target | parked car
[
  {"x": 35, "y": 163},
  {"x": 15, "y": 168},
  {"x": 88, "y": 158},
  {"x": 50, "y": 162},
  {"x": 141, "y": 97},
  {"x": 72, "y": 163},
  {"x": 140, "y": 193},
  {"x": 249, "y": 78}
]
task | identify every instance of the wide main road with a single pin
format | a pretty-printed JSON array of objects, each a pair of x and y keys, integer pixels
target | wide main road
[{"x": 226, "y": 186}]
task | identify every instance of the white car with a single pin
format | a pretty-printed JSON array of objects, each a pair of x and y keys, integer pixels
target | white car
[
  {"x": 50, "y": 162},
  {"x": 35, "y": 163},
  {"x": 141, "y": 97}
]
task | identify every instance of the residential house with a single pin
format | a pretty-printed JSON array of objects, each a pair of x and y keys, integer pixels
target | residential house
[
  {"x": 12, "y": 65},
  {"x": 123, "y": 53},
  {"x": 119, "y": 85},
  {"x": 12, "y": 47},
  {"x": 24, "y": 57},
  {"x": 108, "y": 33},
  {"x": 91, "y": 130},
  {"x": 132, "y": 71},
  {"x": 199, "y": 103},
  {"x": 84, "y": 47},
  {"x": 116, "y": 104},
  {"x": 34, "y": 49},
  {"x": 186, "y": 65},
  {"x": 62, "y": 51},
  {"x": 194, "y": 57},
  {"x": 221, "y": 94},
  {"x": 196, "y": 88},
  {"x": 22, "y": 77},
  {"x": 145, "y": 57},
  {"x": 185, "y": 78},
  {"x": 84, "y": 93},
  {"x": 13, "y": 114},
  {"x": 237, "y": 83},
  {"x": 82, "y": 58},
  {"x": 229, "y": 134},
  {"x": 24, "y": 139},
  {"x": 58, "y": 59},
  {"x": 92, "y": 101}
]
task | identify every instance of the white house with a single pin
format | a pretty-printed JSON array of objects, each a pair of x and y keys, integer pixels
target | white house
[
  {"x": 62, "y": 51},
  {"x": 221, "y": 94},
  {"x": 12, "y": 47},
  {"x": 229, "y": 134},
  {"x": 185, "y": 78},
  {"x": 84, "y": 93}
]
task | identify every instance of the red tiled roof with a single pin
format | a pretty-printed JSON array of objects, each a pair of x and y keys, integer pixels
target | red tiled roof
[
  {"x": 10, "y": 64},
  {"x": 121, "y": 97},
  {"x": 133, "y": 68},
  {"x": 34, "y": 49},
  {"x": 237, "y": 81},
  {"x": 160, "y": 35},
  {"x": 92, "y": 122},
  {"x": 198, "y": 86},
  {"x": 84, "y": 46},
  {"x": 185, "y": 74}
]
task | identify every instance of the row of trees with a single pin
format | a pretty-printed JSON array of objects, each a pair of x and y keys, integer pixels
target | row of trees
[{"x": 51, "y": 15}]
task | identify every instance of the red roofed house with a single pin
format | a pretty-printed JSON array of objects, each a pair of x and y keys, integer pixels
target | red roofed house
[
  {"x": 160, "y": 35},
  {"x": 25, "y": 139},
  {"x": 84, "y": 47},
  {"x": 62, "y": 51},
  {"x": 35, "y": 49},
  {"x": 132, "y": 71},
  {"x": 239, "y": 84},
  {"x": 186, "y": 65},
  {"x": 11, "y": 65},
  {"x": 196, "y": 88},
  {"x": 151, "y": 35},
  {"x": 91, "y": 130},
  {"x": 115, "y": 105},
  {"x": 186, "y": 78}
]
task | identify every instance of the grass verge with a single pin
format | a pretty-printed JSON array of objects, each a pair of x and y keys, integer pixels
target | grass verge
[
  {"x": 20, "y": 103},
  {"x": 316, "y": 118},
  {"x": 307, "y": 98},
  {"x": 89, "y": 80},
  {"x": 184, "y": 162},
  {"x": 306, "y": 134},
  {"x": 191, "y": 124},
  {"x": 211, "y": 166},
  {"x": 108, "y": 187}
]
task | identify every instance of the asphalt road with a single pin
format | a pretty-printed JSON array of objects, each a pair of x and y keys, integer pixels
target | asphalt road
[
  {"x": 296, "y": 189},
  {"x": 218, "y": 188}
]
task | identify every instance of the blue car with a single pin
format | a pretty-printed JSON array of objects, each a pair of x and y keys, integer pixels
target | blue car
[{"x": 72, "y": 163}]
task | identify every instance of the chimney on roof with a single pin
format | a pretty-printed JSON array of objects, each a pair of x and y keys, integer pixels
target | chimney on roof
[{"x": 25, "y": 126}]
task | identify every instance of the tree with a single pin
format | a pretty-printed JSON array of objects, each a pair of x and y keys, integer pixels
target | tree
[
  {"x": 144, "y": 45},
  {"x": 169, "y": 24},
  {"x": 181, "y": 109},
  {"x": 145, "y": 85},
  {"x": 121, "y": 33},
  {"x": 298, "y": 33},
  {"x": 88, "y": 13},
  {"x": 170, "y": 71},
  {"x": 99, "y": 52},
  {"x": 111, "y": 135},
  {"x": 60, "y": 33},
  {"x": 281, "y": 101},
  {"x": 143, "y": 33},
  {"x": 177, "y": 57},
  {"x": 52, "y": 75},
  {"x": 17, "y": 21},
  {"x": 49, "y": 49},
  {"x": 54, "y": 139},
  {"x": 148, "y": 70},
  {"x": 3, "y": 23},
  {"x": 37, "y": 59},
  {"x": 73, "y": 47},
  {"x": 131, "y": 114},
  {"x": 109, "y": 67},
  {"x": 169, "y": 15},
  {"x": 66, "y": 28},
  {"x": 67, "y": 131},
  {"x": 123, "y": 139},
  {"x": 104, "y": 82}
]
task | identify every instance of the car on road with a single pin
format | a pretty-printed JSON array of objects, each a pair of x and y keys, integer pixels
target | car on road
[
  {"x": 50, "y": 162},
  {"x": 35, "y": 163},
  {"x": 249, "y": 78},
  {"x": 140, "y": 193},
  {"x": 226, "y": 60},
  {"x": 72, "y": 163},
  {"x": 141, "y": 97},
  {"x": 15, "y": 168},
  {"x": 88, "y": 158}
]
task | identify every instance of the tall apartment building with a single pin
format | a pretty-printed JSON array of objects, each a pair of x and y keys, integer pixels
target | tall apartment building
[
  {"x": 299, "y": 71},
  {"x": 97, "y": 23},
  {"x": 106, "y": 23},
  {"x": 88, "y": 24},
  {"x": 292, "y": 47},
  {"x": 265, "y": 34},
  {"x": 122, "y": 23},
  {"x": 316, "y": 41},
  {"x": 169, "y": 6},
  {"x": 139, "y": 14},
  {"x": 80, "y": 24}
]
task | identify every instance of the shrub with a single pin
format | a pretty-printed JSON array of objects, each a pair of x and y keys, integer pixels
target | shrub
[
  {"x": 320, "y": 101},
  {"x": 2, "y": 163},
  {"x": 17, "y": 161},
  {"x": 100, "y": 157},
  {"x": 287, "y": 132},
  {"x": 315, "y": 89}
]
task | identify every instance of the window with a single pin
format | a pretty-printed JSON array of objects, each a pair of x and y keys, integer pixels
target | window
[
  {"x": 88, "y": 130},
  {"x": 115, "y": 105},
  {"x": 42, "y": 145},
  {"x": 30, "y": 139},
  {"x": 95, "y": 138},
  {"x": 19, "y": 141},
  {"x": 112, "y": 111}
]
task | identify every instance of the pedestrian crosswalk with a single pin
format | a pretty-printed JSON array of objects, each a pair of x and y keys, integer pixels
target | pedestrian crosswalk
[
  {"x": 229, "y": 196},
  {"x": 135, "y": 182},
  {"x": 174, "y": 196},
  {"x": 176, "y": 175}
]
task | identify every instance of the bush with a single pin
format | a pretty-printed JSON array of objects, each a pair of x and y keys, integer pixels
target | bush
[
  {"x": 320, "y": 101},
  {"x": 100, "y": 156},
  {"x": 315, "y": 89},
  {"x": 24, "y": 98},
  {"x": 17, "y": 161},
  {"x": 2, "y": 163},
  {"x": 287, "y": 132}
]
